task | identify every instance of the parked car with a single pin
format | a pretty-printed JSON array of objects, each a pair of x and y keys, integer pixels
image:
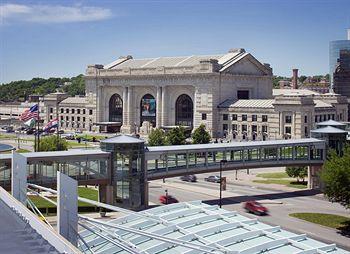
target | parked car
[
  {"x": 213, "y": 179},
  {"x": 171, "y": 199},
  {"x": 70, "y": 136},
  {"x": 188, "y": 178},
  {"x": 255, "y": 207}
]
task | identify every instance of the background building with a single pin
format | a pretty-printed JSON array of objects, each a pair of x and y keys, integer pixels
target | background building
[{"x": 334, "y": 53}]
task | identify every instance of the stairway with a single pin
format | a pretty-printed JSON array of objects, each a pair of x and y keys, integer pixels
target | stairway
[{"x": 17, "y": 236}]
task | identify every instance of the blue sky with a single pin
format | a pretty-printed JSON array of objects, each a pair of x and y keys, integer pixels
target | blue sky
[{"x": 60, "y": 38}]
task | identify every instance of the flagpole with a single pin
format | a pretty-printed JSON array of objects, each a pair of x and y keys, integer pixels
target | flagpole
[{"x": 38, "y": 125}]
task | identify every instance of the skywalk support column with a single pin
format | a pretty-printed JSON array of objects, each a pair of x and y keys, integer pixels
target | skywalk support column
[
  {"x": 67, "y": 207},
  {"x": 131, "y": 122},
  {"x": 19, "y": 177},
  {"x": 313, "y": 177},
  {"x": 159, "y": 105},
  {"x": 124, "y": 127}
]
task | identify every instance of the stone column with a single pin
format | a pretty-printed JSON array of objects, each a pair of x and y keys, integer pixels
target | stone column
[
  {"x": 195, "y": 109},
  {"x": 164, "y": 121},
  {"x": 125, "y": 105},
  {"x": 130, "y": 108},
  {"x": 159, "y": 106}
]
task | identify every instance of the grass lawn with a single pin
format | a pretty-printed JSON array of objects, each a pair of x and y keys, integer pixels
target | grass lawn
[
  {"x": 88, "y": 193},
  {"x": 324, "y": 219},
  {"x": 72, "y": 144},
  {"x": 285, "y": 182},
  {"x": 273, "y": 175}
]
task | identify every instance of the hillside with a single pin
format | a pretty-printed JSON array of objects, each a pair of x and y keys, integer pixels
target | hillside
[{"x": 20, "y": 90}]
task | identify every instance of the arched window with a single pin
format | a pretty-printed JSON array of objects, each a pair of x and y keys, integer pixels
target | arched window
[
  {"x": 184, "y": 111},
  {"x": 116, "y": 108},
  {"x": 148, "y": 109}
]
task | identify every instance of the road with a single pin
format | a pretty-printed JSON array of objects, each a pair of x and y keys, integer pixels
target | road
[{"x": 279, "y": 203}]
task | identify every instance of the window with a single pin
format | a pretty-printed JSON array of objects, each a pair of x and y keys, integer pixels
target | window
[
  {"x": 67, "y": 110},
  {"x": 341, "y": 117},
  {"x": 61, "y": 118},
  {"x": 288, "y": 130},
  {"x": 244, "y": 117},
  {"x": 305, "y": 119},
  {"x": 50, "y": 117},
  {"x": 244, "y": 128},
  {"x": 332, "y": 116},
  {"x": 204, "y": 116},
  {"x": 51, "y": 110},
  {"x": 306, "y": 131},
  {"x": 264, "y": 128},
  {"x": 288, "y": 119},
  {"x": 78, "y": 118},
  {"x": 83, "y": 119},
  {"x": 264, "y": 118},
  {"x": 254, "y": 128},
  {"x": 225, "y": 117},
  {"x": 73, "y": 111},
  {"x": 72, "y": 118},
  {"x": 78, "y": 110},
  {"x": 254, "y": 118},
  {"x": 67, "y": 118},
  {"x": 84, "y": 112},
  {"x": 316, "y": 118},
  {"x": 90, "y": 111},
  {"x": 234, "y": 127},
  {"x": 225, "y": 127},
  {"x": 242, "y": 94},
  {"x": 62, "y": 110},
  {"x": 234, "y": 117}
]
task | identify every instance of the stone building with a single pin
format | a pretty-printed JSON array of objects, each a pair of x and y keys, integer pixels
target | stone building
[{"x": 169, "y": 91}]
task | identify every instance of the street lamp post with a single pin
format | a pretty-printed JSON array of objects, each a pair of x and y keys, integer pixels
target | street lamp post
[
  {"x": 221, "y": 163},
  {"x": 166, "y": 196}
]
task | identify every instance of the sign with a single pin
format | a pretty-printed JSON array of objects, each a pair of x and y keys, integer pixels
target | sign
[{"x": 148, "y": 107}]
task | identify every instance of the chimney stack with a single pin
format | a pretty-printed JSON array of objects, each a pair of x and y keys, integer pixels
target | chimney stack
[{"x": 295, "y": 79}]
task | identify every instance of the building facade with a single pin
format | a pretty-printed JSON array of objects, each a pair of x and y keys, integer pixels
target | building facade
[{"x": 163, "y": 92}]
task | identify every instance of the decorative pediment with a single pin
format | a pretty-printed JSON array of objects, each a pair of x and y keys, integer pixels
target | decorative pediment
[{"x": 246, "y": 65}]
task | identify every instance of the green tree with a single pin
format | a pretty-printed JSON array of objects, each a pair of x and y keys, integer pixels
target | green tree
[
  {"x": 52, "y": 143},
  {"x": 336, "y": 177},
  {"x": 302, "y": 78},
  {"x": 297, "y": 172},
  {"x": 157, "y": 137},
  {"x": 176, "y": 136},
  {"x": 200, "y": 135}
]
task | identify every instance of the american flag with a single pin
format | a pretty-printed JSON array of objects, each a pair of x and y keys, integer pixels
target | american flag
[{"x": 32, "y": 112}]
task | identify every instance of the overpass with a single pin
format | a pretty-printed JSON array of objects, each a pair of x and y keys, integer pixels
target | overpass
[
  {"x": 170, "y": 161},
  {"x": 123, "y": 166}
]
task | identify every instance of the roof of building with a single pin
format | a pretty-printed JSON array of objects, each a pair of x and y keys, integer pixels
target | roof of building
[
  {"x": 209, "y": 229},
  {"x": 251, "y": 103},
  {"x": 330, "y": 123},
  {"x": 122, "y": 139},
  {"x": 277, "y": 92},
  {"x": 61, "y": 154},
  {"x": 74, "y": 100},
  {"x": 322, "y": 104},
  {"x": 225, "y": 60},
  {"x": 329, "y": 130},
  {"x": 5, "y": 148}
]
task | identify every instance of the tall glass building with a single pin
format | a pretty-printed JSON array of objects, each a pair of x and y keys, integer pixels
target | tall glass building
[{"x": 334, "y": 53}]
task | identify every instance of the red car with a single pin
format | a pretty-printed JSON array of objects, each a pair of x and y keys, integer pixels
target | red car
[
  {"x": 255, "y": 207},
  {"x": 171, "y": 199}
]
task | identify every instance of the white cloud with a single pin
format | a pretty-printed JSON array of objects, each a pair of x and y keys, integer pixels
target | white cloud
[{"x": 52, "y": 13}]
